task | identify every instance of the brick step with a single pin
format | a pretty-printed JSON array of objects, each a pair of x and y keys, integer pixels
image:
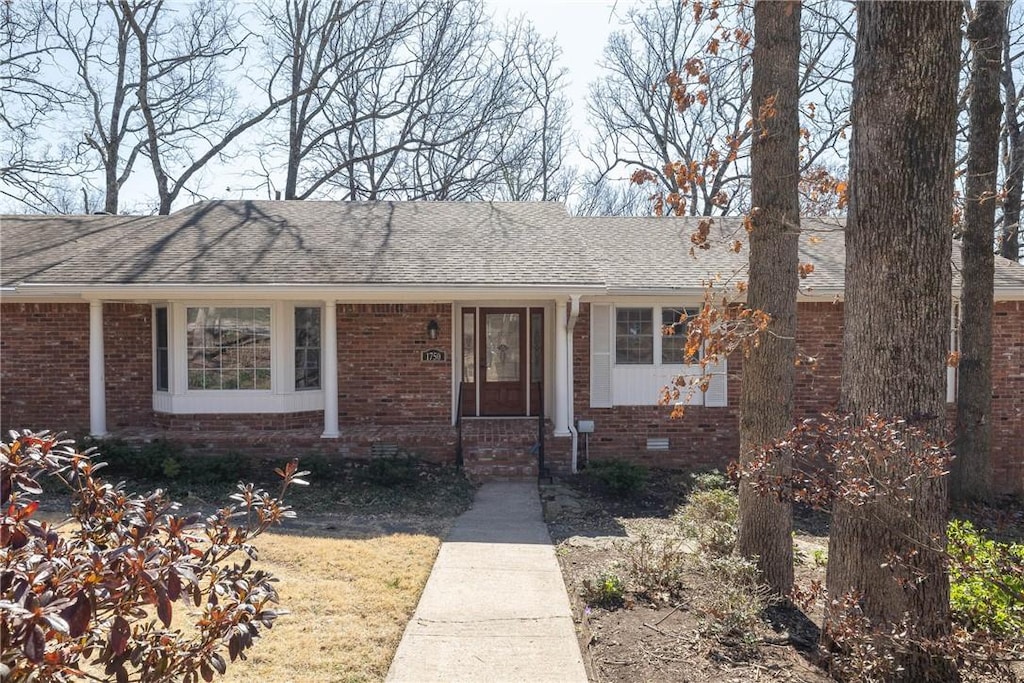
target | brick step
[{"x": 479, "y": 472}]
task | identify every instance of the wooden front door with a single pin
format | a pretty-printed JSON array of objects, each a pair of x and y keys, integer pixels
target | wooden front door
[{"x": 502, "y": 369}]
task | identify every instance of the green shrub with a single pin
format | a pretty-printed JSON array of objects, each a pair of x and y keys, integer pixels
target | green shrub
[
  {"x": 607, "y": 591},
  {"x": 392, "y": 471},
  {"x": 709, "y": 518},
  {"x": 154, "y": 460},
  {"x": 619, "y": 478},
  {"x": 986, "y": 580}
]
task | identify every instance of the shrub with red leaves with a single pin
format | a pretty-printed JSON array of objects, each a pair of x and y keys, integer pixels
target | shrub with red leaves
[{"x": 98, "y": 590}]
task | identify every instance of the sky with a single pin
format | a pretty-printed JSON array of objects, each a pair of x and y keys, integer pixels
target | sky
[{"x": 581, "y": 28}]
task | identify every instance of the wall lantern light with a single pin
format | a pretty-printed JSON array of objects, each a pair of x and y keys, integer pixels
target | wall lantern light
[{"x": 432, "y": 329}]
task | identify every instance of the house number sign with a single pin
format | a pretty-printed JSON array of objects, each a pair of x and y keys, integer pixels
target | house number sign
[{"x": 432, "y": 356}]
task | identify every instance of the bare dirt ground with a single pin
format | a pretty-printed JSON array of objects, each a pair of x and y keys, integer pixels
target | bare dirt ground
[{"x": 671, "y": 638}]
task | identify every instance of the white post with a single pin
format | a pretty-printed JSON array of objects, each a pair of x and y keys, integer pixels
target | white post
[
  {"x": 561, "y": 371},
  {"x": 97, "y": 372},
  {"x": 329, "y": 371}
]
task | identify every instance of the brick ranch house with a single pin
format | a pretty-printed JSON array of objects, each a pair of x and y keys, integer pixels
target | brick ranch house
[{"x": 355, "y": 328}]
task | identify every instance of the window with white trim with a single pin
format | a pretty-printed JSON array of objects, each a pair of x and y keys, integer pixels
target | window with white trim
[
  {"x": 237, "y": 357},
  {"x": 228, "y": 347},
  {"x": 161, "y": 350},
  {"x": 307, "y": 348},
  {"x": 634, "y": 336},
  {"x": 638, "y": 351},
  {"x": 673, "y": 335}
]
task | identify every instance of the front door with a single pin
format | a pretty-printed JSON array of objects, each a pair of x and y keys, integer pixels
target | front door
[{"x": 502, "y": 358}]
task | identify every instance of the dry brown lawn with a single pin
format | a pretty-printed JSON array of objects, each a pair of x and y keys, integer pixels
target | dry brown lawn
[{"x": 349, "y": 601}]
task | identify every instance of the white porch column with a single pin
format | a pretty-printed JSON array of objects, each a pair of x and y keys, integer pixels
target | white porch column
[
  {"x": 561, "y": 371},
  {"x": 329, "y": 373},
  {"x": 97, "y": 372}
]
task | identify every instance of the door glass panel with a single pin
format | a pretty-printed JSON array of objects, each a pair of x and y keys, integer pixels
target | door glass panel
[{"x": 502, "y": 330}]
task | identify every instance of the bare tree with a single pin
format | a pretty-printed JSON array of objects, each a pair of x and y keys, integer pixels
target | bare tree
[
  {"x": 769, "y": 373},
  {"x": 897, "y": 309},
  {"x": 637, "y": 126},
  {"x": 972, "y": 469},
  {"x": 421, "y": 101},
  {"x": 192, "y": 115},
  {"x": 1012, "y": 141},
  {"x": 534, "y": 166},
  {"x": 96, "y": 39}
]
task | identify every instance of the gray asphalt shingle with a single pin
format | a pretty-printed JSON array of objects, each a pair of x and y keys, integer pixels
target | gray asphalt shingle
[{"x": 399, "y": 243}]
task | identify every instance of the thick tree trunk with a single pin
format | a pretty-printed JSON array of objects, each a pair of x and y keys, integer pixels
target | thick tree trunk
[
  {"x": 897, "y": 309},
  {"x": 766, "y": 406},
  {"x": 972, "y": 468}
]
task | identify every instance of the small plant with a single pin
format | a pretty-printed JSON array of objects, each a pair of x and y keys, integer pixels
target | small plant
[
  {"x": 709, "y": 480},
  {"x": 709, "y": 518},
  {"x": 986, "y": 580},
  {"x": 607, "y": 590},
  {"x": 820, "y": 558},
  {"x": 732, "y": 601},
  {"x": 656, "y": 565},
  {"x": 619, "y": 478}
]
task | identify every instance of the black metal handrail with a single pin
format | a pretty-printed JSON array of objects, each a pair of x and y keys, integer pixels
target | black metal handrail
[{"x": 458, "y": 429}]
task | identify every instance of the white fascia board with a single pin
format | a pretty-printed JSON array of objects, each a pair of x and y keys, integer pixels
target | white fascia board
[
  {"x": 299, "y": 292},
  {"x": 697, "y": 293}
]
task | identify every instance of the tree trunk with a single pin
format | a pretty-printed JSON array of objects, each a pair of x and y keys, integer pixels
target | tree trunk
[
  {"x": 897, "y": 311},
  {"x": 1009, "y": 246},
  {"x": 766, "y": 405},
  {"x": 971, "y": 478}
]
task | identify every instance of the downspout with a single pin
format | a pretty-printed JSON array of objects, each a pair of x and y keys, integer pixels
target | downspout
[{"x": 574, "y": 313}]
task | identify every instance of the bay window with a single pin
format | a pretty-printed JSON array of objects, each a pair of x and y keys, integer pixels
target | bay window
[{"x": 211, "y": 357}]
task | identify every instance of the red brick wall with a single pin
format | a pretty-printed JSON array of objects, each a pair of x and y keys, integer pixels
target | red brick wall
[
  {"x": 380, "y": 376},
  {"x": 242, "y": 422},
  {"x": 128, "y": 351},
  {"x": 1008, "y": 396},
  {"x": 819, "y": 342},
  {"x": 44, "y": 366}
]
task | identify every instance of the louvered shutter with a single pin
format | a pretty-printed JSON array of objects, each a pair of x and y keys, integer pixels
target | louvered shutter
[{"x": 600, "y": 356}]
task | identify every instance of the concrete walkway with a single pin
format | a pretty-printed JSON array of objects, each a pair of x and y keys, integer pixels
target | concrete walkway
[{"x": 495, "y": 606}]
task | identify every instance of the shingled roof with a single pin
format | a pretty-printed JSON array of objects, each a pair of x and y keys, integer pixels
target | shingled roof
[{"x": 443, "y": 244}]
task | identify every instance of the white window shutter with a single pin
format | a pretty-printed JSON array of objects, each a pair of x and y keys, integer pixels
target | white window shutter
[
  {"x": 600, "y": 356},
  {"x": 717, "y": 395}
]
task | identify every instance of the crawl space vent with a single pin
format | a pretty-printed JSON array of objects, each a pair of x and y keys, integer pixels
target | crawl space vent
[{"x": 657, "y": 444}]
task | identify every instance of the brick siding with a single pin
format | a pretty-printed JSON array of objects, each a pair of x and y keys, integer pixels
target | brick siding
[
  {"x": 1008, "y": 396},
  {"x": 44, "y": 366},
  {"x": 128, "y": 356},
  {"x": 386, "y": 394},
  {"x": 381, "y": 378}
]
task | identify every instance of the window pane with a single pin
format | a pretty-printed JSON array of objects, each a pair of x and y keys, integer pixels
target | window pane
[
  {"x": 307, "y": 347},
  {"x": 162, "y": 356},
  {"x": 634, "y": 336},
  {"x": 502, "y": 335},
  {"x": 228, "y": 348},
  {"x": 673, "y": 330}
]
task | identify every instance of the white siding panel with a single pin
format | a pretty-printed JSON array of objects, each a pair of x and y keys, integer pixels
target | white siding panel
[
  {"x": 642, "y": 385},
  {"x": 600, "y": 356},
  {"x": 717, "y": 395}
]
